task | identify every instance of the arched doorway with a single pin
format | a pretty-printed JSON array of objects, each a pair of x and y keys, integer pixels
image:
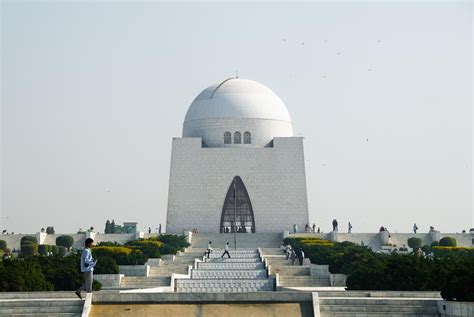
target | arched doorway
[{"x": 237, "y": 208}]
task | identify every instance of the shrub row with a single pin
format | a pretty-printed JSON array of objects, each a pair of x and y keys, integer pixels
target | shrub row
[{"x": 452, "y": 273}]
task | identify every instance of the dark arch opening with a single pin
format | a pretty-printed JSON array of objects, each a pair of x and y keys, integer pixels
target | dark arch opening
[{"x": 237, "y": 202}]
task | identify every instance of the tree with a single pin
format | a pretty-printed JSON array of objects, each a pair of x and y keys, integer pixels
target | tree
[
  {"x": 415, "y": 243},
  {"x": 112, "y": 226},
  {"x": 65, "y": 241},
  {"x": 107, "y": 226},
  {"x": 448, "y": 242},
  {"x": 28, "y": 246},
  {"x": 50, "y": 230}
]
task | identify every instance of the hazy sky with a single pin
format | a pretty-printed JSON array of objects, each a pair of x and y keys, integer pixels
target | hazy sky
[{"x": 93, "y": 94}]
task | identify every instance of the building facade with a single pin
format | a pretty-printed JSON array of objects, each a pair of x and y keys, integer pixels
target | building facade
[{"x": 238, "y": 165}]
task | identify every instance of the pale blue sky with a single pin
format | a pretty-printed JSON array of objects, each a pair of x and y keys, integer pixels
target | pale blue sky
[{"x": 93, "y": 94}]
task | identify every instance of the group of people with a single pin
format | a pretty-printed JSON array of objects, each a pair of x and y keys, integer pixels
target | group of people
[
  {"x": 157, "y": 230},
  {"x": 293, "y": 255},
  {"x": 312, "y": 228},
  {"x": 209, "y": 250}
]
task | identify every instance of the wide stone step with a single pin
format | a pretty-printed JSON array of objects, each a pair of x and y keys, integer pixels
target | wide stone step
[
  {"x": 244, "y": 240},
  {"x": 301, "y": 281},
  {"x": 40, "y": 309},
  {"x": 290, "y": 270},
  {"x": 233, "y": 254},
  {"x": 39, "y": 303},
  {"x": 223, "y": 286},
  {"x": 145, "y": 282},
  {"x": 78, "y": 314},
  {"x": 37, "y": 295},
  {"x": 285, "y": 262},
  {"x": 429, "y": 309},
  {"x": 377, "y": 301},
  {"x": 374, "y": 314},
  {"x": 233, "y": 260},
  {"x": 224, "y": 274},
  {"x": 229, "y": 266}
]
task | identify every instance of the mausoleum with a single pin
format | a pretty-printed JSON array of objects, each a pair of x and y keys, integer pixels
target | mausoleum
[{"x": 237, "y": 164}]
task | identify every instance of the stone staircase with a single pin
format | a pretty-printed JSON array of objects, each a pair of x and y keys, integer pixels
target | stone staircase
[
  {"x": 293, "y": 275},
  {"x": 160, "y": 271},
  {"x": 244, "y": 240},
  {"x": 40, "y": 304},
  {"x": 368, "y": 307},
  {"x": 242, "y": 272}
]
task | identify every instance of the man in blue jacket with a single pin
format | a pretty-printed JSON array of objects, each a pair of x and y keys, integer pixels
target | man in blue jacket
[{"x": 87, "y": 267}]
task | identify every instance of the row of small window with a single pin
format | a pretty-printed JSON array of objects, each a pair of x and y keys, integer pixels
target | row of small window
[{"x": 237, "y": 138}]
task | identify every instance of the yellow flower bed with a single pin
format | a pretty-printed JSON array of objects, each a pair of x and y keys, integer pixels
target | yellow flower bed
[
  {"x": 316, "y": 242},
  {"x": 453, "y": 248},
  {"x": 114, "y": 249},
  {"x": 156, "y": 243}
]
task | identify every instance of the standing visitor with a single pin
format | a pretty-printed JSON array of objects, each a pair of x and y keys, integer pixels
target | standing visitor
[
  {"x": 334, "y": 225},
  {"x": 87, "y": 267},
  {"x": 209, "y": 249},
  {"x": 159, "y": 229},
  {"x": 314, "y": 227},
  {"x": 226, "y": 250},
  {"x": 415, "y": 228},
  {"x": 288, "y": 251},
  {"x": 349, "y": 227},
  {"x": 295, "y": 228},
  {"x": 149, "y": 230}
]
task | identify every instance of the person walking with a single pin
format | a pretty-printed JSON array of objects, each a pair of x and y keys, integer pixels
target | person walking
[
  {"x": 209, "y": 249},
  {"x": 87, "y": 267},
  {"x": 314, "y": 227},
  {"x": 295, "y": 228},
  {"x": 226, "y": 250},
  {"x": 149, "y": 230},
  {"x": 334, "y": 225},
  {"x": 349, "y": 227},
  {"x": 288, "y": 251},
  {"x": 301, "y": 257},
  {"x": 159, "y": 229},
  {"x": 293, "y": 257},
  {"x": 415, "y": 228}
]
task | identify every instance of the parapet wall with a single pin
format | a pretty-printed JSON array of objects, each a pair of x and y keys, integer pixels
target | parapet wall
[
  {"x": 376, "y": 240},
  {"x": 13, "y": 240}
]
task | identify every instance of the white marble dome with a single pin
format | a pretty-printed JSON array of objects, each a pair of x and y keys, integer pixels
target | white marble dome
[{"x": 237, "y": 106}]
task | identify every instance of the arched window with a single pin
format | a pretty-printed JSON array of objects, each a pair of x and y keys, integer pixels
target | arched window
[
  {"x": 237, "y": 138},
  {"x": 247, "y": 138},
  {"x": 227, "y": 138}
]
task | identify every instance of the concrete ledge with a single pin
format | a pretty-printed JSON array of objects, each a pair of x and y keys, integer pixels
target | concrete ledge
[
  {"x": 86, "y": 309},
  {"x": 134, "y": 270},
  {"x": 338, "y": 280},
  {"x": 316, "y": 310},
  {"x": 458, "y": 309},
  {"x": 276, "y": 297},
  {"x": 109, "y": 280}
]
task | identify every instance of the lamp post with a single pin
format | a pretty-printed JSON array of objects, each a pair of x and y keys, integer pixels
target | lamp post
[{"x": 235, "y": 216}]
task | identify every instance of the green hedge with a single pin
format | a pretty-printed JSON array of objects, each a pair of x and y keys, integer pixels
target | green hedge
[
  {"x": 28, "y": 239},
  {"x": 414, "y": 243},
  {"x": 3, "y": 245},
  {"x": 448, "y": 242},
  {"x": 65, "y": 241},
  {"x": 106, "y": 265},
  {"x": 29, "y": 249}
]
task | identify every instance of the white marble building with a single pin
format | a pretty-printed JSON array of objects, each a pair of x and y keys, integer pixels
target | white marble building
[{"x": 237, "y": 142}]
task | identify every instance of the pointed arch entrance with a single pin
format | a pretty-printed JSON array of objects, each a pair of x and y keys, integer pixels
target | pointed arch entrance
[{"x": 237, "y": 209}]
